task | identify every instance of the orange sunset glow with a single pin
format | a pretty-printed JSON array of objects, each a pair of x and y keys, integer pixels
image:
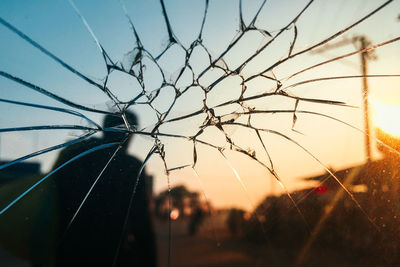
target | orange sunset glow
[
  {"x": 387, "y": 117},
  {"x": 201, "y": 133}
]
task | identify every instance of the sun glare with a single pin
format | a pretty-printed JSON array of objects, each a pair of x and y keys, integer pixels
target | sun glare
[{"x": 387, "y": 117}]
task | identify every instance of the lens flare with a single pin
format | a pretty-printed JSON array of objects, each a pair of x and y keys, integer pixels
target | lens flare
[{"x": 387, "y": 117}]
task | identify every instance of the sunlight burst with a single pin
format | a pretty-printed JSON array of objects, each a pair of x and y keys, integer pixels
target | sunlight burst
[{"x": 387, "y": 117}]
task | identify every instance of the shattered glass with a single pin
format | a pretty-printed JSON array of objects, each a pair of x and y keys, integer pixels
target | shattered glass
[{"x": 281, "y": 117}]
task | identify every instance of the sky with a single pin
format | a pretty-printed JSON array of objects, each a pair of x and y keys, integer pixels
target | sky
[{"x": 233, "y": 180}]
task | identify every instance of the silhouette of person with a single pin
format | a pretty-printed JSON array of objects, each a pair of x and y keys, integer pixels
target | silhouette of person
[
  {"x": 95, "y": 237},
  {"x": 195, "y": 220}
]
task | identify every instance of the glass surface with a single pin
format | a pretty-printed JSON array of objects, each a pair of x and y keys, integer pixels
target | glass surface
[{"x": 199, "y": 133}]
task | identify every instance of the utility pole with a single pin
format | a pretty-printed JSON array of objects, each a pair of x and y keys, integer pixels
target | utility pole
[
  {"x": 361, "y": 42},
  {"x": 364, "y": 57}
]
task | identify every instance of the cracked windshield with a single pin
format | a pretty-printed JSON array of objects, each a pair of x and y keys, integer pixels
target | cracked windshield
[{"x": 199, "y": 133}]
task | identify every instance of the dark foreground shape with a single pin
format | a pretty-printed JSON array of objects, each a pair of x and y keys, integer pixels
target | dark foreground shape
[{"x": 96, "y": 236}]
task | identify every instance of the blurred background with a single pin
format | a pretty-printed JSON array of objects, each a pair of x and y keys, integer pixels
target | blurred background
[{"x": 269, "y": 129}]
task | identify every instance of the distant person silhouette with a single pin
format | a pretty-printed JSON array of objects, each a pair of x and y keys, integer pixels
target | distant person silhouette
[{"x": 93, "y": 237}]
